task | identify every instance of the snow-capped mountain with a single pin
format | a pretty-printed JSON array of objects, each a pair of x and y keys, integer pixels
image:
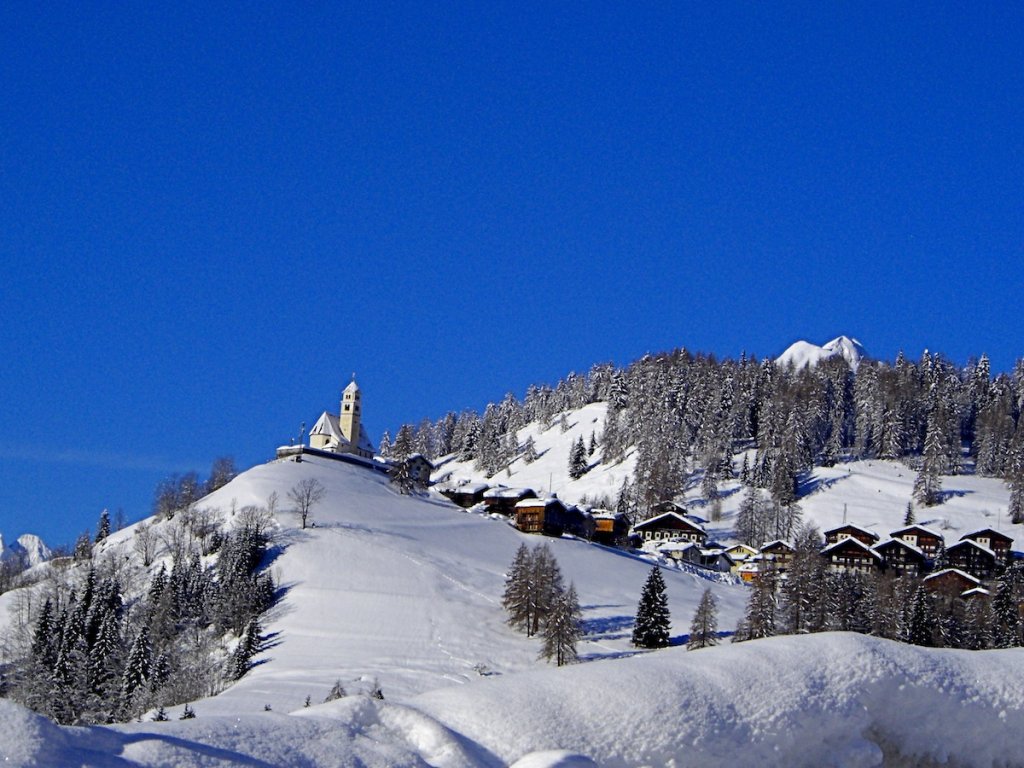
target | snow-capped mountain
[
  {"x": 29, "y": 546},
  {"x": 802, "y": 353}
]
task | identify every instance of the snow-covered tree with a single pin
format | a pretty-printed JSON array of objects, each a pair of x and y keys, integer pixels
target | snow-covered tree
[
  {"x": 653, "y": 622},
  {"x": 704, "y": 627},
  {"x": 563, "y": 628}
]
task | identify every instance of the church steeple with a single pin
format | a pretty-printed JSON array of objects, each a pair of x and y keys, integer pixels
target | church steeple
[{"x": 349, "y": 416}]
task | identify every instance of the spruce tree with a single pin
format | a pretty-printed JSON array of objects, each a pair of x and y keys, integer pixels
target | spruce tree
[
  {"x": 103, "y": 526},
  {"x": 563, "y": 628},
  {"x": 518, "y": 599},
  {"x": 704, "y": 627},
  {"x": 653, "y": 622},
  {"x": 908, "y": 518},
  {"x": 578, "y": 459},
  {"x": 923, "y": 622},
  {"x": 759, "y": 620}
]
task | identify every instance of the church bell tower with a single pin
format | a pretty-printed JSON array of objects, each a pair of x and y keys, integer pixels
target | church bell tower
[{"x": 349, "y": 416}]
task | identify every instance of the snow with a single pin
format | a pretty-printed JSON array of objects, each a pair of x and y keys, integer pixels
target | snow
[
  {"x": 818, "y": 700},
  {"x": 29, "y": 546},
  {"x": 801, "y": 354}
]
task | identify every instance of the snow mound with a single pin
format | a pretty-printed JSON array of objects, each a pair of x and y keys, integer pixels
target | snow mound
[{"x": 802, "y": 353}]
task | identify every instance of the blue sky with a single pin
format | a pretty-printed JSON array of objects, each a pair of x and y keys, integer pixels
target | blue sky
[{"x": 210, "y": 218}]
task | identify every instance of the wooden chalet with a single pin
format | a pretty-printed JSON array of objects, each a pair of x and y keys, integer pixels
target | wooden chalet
[
  {"x": 716, "y": 559},
  {"x": 420, "y": 468},
  {"x": 925, "y": 539},
  {"x": 901, "y": 557},
  {"x": 503, "y": 500},
  {"x": 682, "y": 551},
  {"x": 851, "y": 555},
  {"x": 851, "y": 531},
  {"x": 467, "y": 495},
  {"x": 670, "y": 526},
  {"x": 974, "y": 558},
  {"x": 749, "y": 569},
  {"x": 951, "y": 581},
  {"x": 579, "y": 522},
  {"x": 667, "y": 506},
  {"x": 548, "y": 516},
  {"x": 610, "y": 528},
  {"x": 740, "y": 552},
  {"x": 998, "y": 542},
  {"x": 779, "y": 553}
]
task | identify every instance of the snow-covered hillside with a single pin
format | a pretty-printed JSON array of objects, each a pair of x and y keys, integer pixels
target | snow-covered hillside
[
  {"x": 801, "y": 354},
  {"x": 872, "y": 493},
  {"x": 818, "y": 700}
]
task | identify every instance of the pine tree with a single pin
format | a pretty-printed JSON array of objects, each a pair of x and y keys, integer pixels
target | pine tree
[
  {"x": 1005, "y": 615},
  {"x": 653, "y": 622},
  {"x": 908, "y": 518},
  {"x": 923, "y": 621},
  {"x": 518, "y": 599},
  {"x": 563, "y": 628},
  {"x": 578, "y": 459},
  {"x": 704, "y": 627},
  {"x": 103, "y": 526},
  {"x": 530, "y": 451},
  {"x": 759, "y": 620},
  {"x": 136, "y": 670},
  {"x": 384, "y": 448}
]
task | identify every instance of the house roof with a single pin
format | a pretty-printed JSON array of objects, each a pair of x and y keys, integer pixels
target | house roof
[
  {"x": 778, "y": 544},
  {"x": 970, "y": 543},
  {"x": 471, "y": 488},
  {"x": 957, "y": 571},
  {"x": 851, "y": 542},
  {"x": 889, "y": 543},
  {"x": 749, "y": 550},
  {"x": 652, "y": 523},
  {"x": 916, "y": 527},
  {"x": 677, "y": 546},
  {"x": 550, "y": 502},
  {"x": 975, "y": 592},
  {"x": 329, "y": 425},
  {"x": 991, "y": 533},
  {"x": 419, "y": 457},
  {"x": 504, "y": 492},
  {"x": 855, "y": 527}
]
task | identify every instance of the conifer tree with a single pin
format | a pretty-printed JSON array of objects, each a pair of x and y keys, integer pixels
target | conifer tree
[
  {"x": 103, "y": 526},
  {"x": 530, "y": 451},
  {"x": 704, "y": 627},
  {"x": 1006, "y": 623},
  {"x": 908, "y": 518},
  {"x": 759, "y": 620},
  {"x": 922, "y": 619},
  {"x": 578, "y": 459},
  {"x": 518, "y": 599},
  {"x": 653, "y": 622},
  {"x": 563, "y": 628}
]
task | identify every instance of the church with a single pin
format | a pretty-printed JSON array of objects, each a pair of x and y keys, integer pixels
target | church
[{"x": 343, "y": 432}]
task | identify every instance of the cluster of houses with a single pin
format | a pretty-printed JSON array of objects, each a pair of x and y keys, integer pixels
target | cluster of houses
[{"x": 670, "y": 530}]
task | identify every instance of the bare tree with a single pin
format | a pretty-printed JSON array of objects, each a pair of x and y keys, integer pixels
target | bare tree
[
  {"x": 305, "y": 495},
  {"x": 145, "y": 543}
]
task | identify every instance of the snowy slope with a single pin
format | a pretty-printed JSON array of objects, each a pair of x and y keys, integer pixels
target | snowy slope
[
  {"x": 28, "y": 546},
  {"x": 802, "y": 353},
  {"x": 818, "y": 700}
]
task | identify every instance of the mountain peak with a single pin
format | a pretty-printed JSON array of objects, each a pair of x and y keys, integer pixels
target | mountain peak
[{"x": 803, "y": 353}]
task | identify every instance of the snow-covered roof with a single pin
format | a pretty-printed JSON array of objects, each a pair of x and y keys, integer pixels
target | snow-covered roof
[
  {"x": 849, "y": 541},
  {"x": 672, "y": 515},
  {"x": 777, "y": 543},
  {"x": 979, "y": 591},
  {"x": 538, "y": 503},
  {"x": 970, "y": 543},
  {"x": 677, "y": 546},
  {"x": 328, "y": 425},
  {"x": 990, "y": 533},
  {"x": 352, "y": 386},
  {"x": 471, "y": 488},
  {"x": 894, "y": 542},
  {"x": 504, "y": 492},
  {"x": 916, "y": 527},
  {"x": 855, "y": 527},
  {"x": 944, "y": 571}
]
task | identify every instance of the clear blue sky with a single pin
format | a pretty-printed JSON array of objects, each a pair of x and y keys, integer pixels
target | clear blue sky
[{"x": 210, "y": 217}]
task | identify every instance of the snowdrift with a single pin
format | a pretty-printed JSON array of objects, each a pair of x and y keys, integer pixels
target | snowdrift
[{"x": 818, "y": 700}]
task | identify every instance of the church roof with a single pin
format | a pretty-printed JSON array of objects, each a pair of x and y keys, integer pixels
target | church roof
[
  {"x": 328, "y": 425},
  {"x": 352, "y": 386}
]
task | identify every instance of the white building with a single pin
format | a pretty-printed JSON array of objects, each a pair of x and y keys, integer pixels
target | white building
[{"x": 343, "y": 432}]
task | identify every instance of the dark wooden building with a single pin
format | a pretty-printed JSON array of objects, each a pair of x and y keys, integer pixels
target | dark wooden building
[
  {"x": 925, "y": 539},
  {"x": 548, "y": 516},
  {"x": 467, "y": 495},
  {"x": 951, "y": 581},
  {"x": 998, "y": 542},
  {"x": 851, "y": 555},
  {"x": 779, "y": 553},
  {"x": 851, "y": 531},
  {"x": 503, "y": 500},
  {"x": 610, "y": 528},
  {"x": 901, "y": 557},
  {"x": 670, "y": 526},
  {"x": 974, "y": 558}
]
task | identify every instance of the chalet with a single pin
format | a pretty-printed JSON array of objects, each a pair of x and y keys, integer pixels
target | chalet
[
  {"x": 974, "y": 558},
  {"x": 503, "y": 500},
  {"x": 670, "y": 526},
  {"x": 750, "y": 569},
  {"x": 716, "y": 559},
  {"x": 779, "y": 553},
  {"x": 610, "y": 528},
  {"x": 467, "y": 495},
  {"x": 420, "y": 468},
  {"x": 925, "y": 539},
  {"x": 667, "y": 506},
  {"x": 549, "y": 516},
  {"x": 682, "y": 551},
  {"x": 997, "y": 542},
  {"x": 579, "y": 522},
  {"x": 851, "y": 531},
  {"x": 901, "y": 557},
  {"x": 851, "y": 555},
  {"x": 951, "y": 581},
  {"x": 740, "y": 553}
]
